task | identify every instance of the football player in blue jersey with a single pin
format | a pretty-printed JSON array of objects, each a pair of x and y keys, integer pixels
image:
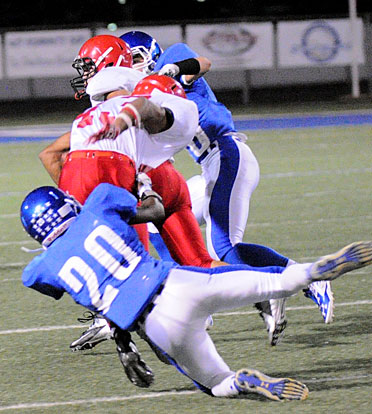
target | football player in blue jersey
[
  {"x": 230, "y": 173},
  {"x": 46, "y": 214},
  {"x": 94, "y": 255}
]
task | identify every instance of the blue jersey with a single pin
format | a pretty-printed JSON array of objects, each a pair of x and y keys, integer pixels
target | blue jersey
[
  {"x": 215, "y": 119},
  {"x": 100, "y": 261}
]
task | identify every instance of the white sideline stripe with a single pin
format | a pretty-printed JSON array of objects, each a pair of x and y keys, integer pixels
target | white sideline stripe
[
  {"x": 295, "y": 308},
  {"x": 351, "y": 378},
  {"x": 151, "y": 395},
  {"x": 12, "y": 193},
  {"x": 300, "y": 222},
  {"x": 15, "y": 243},
  {"x": 97, "y": 400},
  {"x": 40, "y": 329},
  {"x": 303, "y": 114},
  {"x": 10, "y": 215},
  {"x": 291, "y": 174},
  {"x": 217, "y": 315},
  {"x": 15, "y": 264}
]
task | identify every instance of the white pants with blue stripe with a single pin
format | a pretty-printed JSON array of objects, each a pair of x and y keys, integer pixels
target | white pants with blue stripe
[
  {"x": 176, "y": 323},
  {"x": 221, "y": 195}
]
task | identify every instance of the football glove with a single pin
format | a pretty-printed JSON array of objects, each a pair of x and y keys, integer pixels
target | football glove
[
  {"x": 170, "y": 69},
  {"x": 144, "y": 183},
  {"x": 134, "y": 366}
]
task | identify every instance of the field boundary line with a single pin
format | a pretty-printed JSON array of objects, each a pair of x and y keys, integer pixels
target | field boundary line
[
  {"x": 217, "y": 315},
  {"x": 150, "y": 395},
  {"x": 95, "y": 400},
  {"x": 295, "y": 308}
]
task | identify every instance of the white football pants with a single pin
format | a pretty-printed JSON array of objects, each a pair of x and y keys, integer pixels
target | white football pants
[
  {"x": 176, "y": 323},
  {"x": 220, "y": 196}
]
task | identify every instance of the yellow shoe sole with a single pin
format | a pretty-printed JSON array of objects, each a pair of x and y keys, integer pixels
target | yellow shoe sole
[{"x": 351, "y": 257}]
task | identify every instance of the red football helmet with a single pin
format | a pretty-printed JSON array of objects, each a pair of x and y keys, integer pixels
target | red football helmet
[
  {"x": 97, "y": 53},
  {"x": 164, "y": 83}
]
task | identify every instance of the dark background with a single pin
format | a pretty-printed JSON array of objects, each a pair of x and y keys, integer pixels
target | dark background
[{"x": 18, "y": 14}]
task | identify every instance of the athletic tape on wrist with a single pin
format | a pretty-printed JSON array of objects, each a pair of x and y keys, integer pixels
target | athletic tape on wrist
[
  {"x": 126, "y": 118},
  {"x": 134, "y": 112},
  {"x": 151, "y": 193}
]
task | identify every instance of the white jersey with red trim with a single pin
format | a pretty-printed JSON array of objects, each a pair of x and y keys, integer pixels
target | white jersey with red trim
[{"x": 145, "y": 149}]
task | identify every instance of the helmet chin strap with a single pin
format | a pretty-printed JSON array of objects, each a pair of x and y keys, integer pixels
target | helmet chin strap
[{"x": 25, "y": 249}]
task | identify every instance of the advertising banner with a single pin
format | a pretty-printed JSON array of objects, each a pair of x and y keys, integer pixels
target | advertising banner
[
  {"x": 233, "y": 46},
  {"x": 47, "y": 53},
  {"x": 1, "y": 60},
  {"x": 164, "y": 35},
  {"x": 318, "y": 43}
]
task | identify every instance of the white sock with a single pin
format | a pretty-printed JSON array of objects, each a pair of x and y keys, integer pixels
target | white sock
[
  {"x": 225, "y": 388},
  {"x": 290, "y": 262}
]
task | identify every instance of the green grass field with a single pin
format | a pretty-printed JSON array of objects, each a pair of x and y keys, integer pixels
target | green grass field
[{"x": 314, "y": 196}]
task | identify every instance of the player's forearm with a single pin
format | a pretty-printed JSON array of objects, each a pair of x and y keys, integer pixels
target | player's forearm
[
  {"x": 52, "y": 157},
  {"x": 191, "y": 75},
  {"x": 143, "y": 112}
]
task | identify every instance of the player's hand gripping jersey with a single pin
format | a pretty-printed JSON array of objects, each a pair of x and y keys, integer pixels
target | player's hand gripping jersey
[{"x": 99, "y": 253}]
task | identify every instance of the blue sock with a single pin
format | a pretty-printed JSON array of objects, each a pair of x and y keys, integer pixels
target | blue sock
[
  {"x": 161, "y": 248},
  {"x": 254, "y": 255}
]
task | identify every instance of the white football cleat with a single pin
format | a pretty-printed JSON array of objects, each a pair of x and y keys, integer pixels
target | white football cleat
[
  {"x": 273, "y": 314},
  {"x": 97, "y": 332},
  {"x": 280, "y": 321},
  {"x": 321, "y": 293}
]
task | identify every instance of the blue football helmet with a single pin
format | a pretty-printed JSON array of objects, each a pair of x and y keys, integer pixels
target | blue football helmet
[
  {"x": 145, "y": 49},
  {"x": 47, "y": 212}
]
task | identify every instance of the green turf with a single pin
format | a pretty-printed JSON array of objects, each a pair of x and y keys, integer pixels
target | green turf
[{"x": 314, "y": 196}]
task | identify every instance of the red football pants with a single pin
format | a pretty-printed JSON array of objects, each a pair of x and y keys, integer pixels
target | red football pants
[
  {"x": 84, "y": 170},
  {"x": 180, "y": 230}
]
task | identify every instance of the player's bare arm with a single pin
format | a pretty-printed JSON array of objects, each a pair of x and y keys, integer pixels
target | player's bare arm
[
  {"x": 53, "y": 156},
  {"x": 140, "y": 113},
  {"x": 205, "y": 65}
]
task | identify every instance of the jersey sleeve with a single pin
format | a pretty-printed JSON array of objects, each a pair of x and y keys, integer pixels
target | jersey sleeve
[
  {"x": 186, "y": 117},
  {"x": 37, "y": 277},
  {"x": 107, "y": 198},
  {"x": 175, "y": 53}
]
